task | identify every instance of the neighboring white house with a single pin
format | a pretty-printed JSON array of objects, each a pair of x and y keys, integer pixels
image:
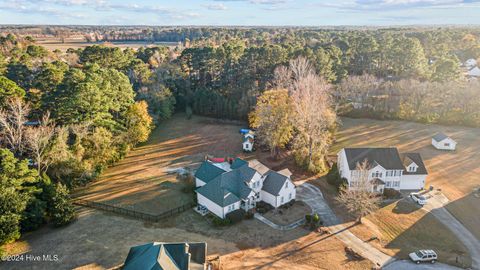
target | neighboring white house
[
  {"x": 223, "y": 190},
  {"x": 387, "y": 168},
  {"x": 443, "y": 142},
  {"x": 248, "y": 141},
  {"x": 470, "y": 63}
]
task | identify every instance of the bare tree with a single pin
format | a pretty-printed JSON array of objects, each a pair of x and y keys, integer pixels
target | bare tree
[
  {"x": 314, "y": 115},
  {"x": 39, "y": 141},
  {"x": 360, "y": 198},
  {"x": 282, "y": 77},
  {"x": 12, "y": 124}
]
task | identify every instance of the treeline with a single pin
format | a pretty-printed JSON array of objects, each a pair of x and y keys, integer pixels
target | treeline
[
  {"x": 451, "y": 103},
  {"x": 65, "y": 117}
]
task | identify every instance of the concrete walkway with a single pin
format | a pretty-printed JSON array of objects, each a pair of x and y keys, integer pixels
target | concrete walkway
[
  {"x": 277, "y": 226},
  {"x": 435, "y": 205},
  {"x": 313, "y": 196}
]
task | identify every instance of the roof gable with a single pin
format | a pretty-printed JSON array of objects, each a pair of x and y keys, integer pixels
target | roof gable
[
  {"x": 274, "y": 182},
  {"x": 440, "y": 137},
  {"x": 154, "y": 256},
  {"x": 388, "y": 158},
  {"x": 417, "y": 159},
  {"x": 207, "y": 171}
]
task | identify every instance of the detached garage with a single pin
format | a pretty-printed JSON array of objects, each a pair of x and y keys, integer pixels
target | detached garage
[{"x": 443, "y": 142}]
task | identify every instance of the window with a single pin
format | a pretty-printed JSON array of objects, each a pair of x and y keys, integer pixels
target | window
[
  {"x": 447, "y": 144},
  {"x": 396, "y": 184},
  {"x": 290, "y": 196},
  {"x": 281, "y": 199},
  {"x": 377, "y": 174},
  {"x": 388, "y": 184},
  {"x": 286, "y": 184}
]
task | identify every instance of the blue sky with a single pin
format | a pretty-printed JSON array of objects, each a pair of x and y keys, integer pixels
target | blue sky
[{"x": 240, "y": 12}]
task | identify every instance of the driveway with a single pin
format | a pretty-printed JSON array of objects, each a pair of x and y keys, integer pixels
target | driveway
[
  {"x": 313, "y": 196},
  {"x": 435, "y": 205},
  {"x": 408, "y": 265}
]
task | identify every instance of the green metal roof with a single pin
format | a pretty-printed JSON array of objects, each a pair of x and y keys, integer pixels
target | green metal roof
[
  {"x": 207, "y": 171},
  {"x": 229, "y": 187},
  {"x": 237, "y": 163}
]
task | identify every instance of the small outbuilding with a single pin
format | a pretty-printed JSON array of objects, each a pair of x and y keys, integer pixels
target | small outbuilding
[
  {"x": 248, "y": 141},
  {"x": 443, "y": 142},
  {"x": 474, "y": 72}
]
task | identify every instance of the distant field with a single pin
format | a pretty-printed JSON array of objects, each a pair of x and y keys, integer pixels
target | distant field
[
  {"x": 142, "y": 181},
  {"x": 52, "y": 44},
  {"x": 456, "y": 173}
]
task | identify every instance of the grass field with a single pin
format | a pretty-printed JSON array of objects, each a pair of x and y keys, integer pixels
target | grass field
[
  {"x": 456, "y": 173},
  {"x": 56, "y": 44},
  {"x": 143, "y": 180}
]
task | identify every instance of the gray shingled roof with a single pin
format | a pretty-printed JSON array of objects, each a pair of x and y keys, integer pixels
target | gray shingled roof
[
  {"x": 207, "y": 171},
  {"x": 274, "y": 182},
  {"x": 388, "y": 158},
  {"x": 165, "y": 256},
  {"x": 228, "y": 187},
  {"x": 415, "y": 157},
  {"x": 440, "y": 137}
]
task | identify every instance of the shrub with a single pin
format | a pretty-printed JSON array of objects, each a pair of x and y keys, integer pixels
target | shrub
[
  {"x": 61, "y": 208},
  {"x": 249, "y": 215},
  {"x": 308, "y": 218},
  {"x": 390, "y": 193},
  {"x": 221, "y": 222},
  {"x": 236, "y": 216},
  {"x": 334, "y": 178},
  {"x": 189, "y": 112}
]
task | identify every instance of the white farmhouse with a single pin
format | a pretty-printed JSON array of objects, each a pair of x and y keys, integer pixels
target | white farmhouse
[
  {"x": 387, "y": 168},
  {"x": 443, "y": 142},
  {"x": 222, "y": 190}
]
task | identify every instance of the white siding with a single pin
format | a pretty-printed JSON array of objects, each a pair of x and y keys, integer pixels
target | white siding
[
  {"x": 211, "y": 206},
  {"x": 226, "y": 210},
  {"x": 198, "y": 182},
  {"x": 247, "y": 146},
  {"x": 413, "y": 182},
  {"x": 447, "y": 144},
  {"x": 342, "y": 166},
  {"x": 285, "y": 192},
  {"x": 268, "y": 198}
]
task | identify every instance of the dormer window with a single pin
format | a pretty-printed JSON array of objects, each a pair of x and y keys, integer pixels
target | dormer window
[{"x": 286, "y": 185}]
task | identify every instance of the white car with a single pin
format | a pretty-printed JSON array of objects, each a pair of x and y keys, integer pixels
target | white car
[
  {"x": 423, "y": 256},
  {"x": 418, "y": 198}
]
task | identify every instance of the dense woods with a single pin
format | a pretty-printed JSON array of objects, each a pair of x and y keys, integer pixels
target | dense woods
[{"x": 65, "y": 116}]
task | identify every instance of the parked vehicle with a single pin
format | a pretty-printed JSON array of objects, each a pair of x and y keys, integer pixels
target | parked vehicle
[
  {"x": 425, "y": 255},
  {"x": 418, "y": 198}
]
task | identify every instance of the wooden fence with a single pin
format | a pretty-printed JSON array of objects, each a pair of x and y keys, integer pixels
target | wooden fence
[{"x": 133, "y": 213}]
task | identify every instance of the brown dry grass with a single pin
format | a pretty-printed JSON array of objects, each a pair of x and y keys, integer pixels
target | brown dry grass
[
  {"x": 402, "y": 227},
  {"x": 290, "y": 215},
  {"x": 312, "y": 251},
  {"x": 141, "y": 181},
  {"x": 56, "y": 44},
  {"x": 456, "y": 173}
]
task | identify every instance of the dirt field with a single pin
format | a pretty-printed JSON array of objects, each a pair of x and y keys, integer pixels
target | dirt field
[
  {"x": 456, "y": 173},
  {"x": 142, "y": 181}
]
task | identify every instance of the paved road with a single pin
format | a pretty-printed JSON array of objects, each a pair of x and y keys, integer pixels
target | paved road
[
  {"x": 313, "y": 196},
  {"x": 408, "y": 265},
  {"x": 435, "y": 205}
]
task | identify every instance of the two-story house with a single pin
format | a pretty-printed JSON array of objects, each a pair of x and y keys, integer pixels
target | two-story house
[
  {"x": 387, "y": 168},
  {"x": 223, "y": 188}
]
